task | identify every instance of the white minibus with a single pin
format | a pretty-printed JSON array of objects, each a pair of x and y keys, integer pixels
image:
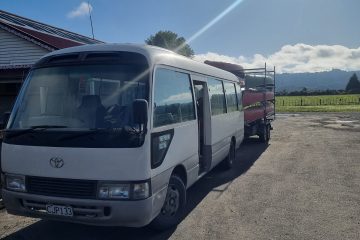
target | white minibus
[{"x": 114, "y": 134}]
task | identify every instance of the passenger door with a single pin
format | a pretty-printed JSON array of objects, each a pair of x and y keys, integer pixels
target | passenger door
[{"x": 204, "y": 124}]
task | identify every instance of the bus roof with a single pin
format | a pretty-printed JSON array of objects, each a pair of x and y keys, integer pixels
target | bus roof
[{"x": 154, "y": 55}]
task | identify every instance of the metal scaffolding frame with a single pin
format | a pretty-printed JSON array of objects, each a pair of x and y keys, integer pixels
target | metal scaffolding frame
[{"x": 263, "y": 72}]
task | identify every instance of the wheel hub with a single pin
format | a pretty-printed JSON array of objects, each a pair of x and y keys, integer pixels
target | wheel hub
[{"x": 171, "y": 204}]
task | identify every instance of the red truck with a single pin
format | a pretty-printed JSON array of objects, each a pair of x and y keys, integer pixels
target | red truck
[{"x": 258, "y": 91}]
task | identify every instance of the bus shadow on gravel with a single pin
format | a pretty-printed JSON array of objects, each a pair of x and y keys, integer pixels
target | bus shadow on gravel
[{"x": 217, "y": 180}]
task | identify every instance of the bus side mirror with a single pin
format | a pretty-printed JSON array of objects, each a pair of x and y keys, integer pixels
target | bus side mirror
[
  {"x": 5, "y": 119},
  {"x": 140, "y": 111}
]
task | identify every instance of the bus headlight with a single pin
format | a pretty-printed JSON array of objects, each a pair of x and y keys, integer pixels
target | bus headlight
[
  {"x": 125, "y": 191},
  {"x": 114, "y": 191},
  {"x": 15, "y": 183},
  {"x": 141, "y": 190}
]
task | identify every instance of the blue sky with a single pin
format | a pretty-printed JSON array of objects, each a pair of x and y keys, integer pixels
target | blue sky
[{"x": 253, "y": 29}]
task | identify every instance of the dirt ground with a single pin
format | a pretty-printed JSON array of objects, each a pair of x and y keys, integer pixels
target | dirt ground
[{"x": 304, "y": 184}]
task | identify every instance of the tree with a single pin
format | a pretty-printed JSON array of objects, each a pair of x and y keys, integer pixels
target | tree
[
  {"x": 304, "y": 91},
  {"x": 353, "y": 84},
  {"x": 171, "y": 41}
]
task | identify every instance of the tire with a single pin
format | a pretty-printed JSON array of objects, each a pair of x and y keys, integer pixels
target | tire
[
  {"x": 246, "y": 137},
  {"x": 228, "y": 163},
  {"x": 174, "y": 206},
  {"x": 263, "y": 136},
  {"x": 268, "y": 132},
  {"x": 1, "y": 199}
]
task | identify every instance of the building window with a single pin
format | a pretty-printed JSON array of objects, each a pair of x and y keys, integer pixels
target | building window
[
  {"x": 217, "y": 97},
  {"x": 173, "y": 99}
]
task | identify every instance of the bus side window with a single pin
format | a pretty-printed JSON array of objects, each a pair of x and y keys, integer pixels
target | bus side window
[
  {"x": 217, "y": 96},
  {"x": 173, "y": 100},
  {"x": 239, "y": 97},
  {"x": 230, "y": 94}
]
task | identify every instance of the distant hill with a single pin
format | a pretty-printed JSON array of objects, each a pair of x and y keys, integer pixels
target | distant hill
[{"x": 331, "y": 80}]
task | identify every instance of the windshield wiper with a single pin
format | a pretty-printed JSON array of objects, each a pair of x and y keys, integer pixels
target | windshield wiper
[
  {"x": 82, "y": 134},
  {"x": 92, "y": 131},
  {"x": 31, "y": 129}
]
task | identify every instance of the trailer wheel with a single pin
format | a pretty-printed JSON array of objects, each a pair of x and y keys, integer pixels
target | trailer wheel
[
  {"x": 268, "y": 135},
  {"x": 174, "y": 205},
  {"x": 263, "y": 136},
  {"x": 1, "y": 199},
  {"x": 228, "y": 163}
]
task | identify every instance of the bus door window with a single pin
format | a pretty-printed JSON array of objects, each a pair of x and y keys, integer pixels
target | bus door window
[{"x": 199, "y": 94}]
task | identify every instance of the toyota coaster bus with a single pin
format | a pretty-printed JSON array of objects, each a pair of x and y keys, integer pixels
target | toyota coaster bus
[{"x": 114, "y": 134}]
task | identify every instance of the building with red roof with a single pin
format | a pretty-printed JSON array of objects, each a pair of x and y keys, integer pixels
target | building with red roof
[{"x": 22, "y": 42}]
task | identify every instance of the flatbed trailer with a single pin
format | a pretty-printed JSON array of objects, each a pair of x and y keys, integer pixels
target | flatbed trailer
[
  {"x": 258, "y": 98},
  {"x": 259, "y": 102}
]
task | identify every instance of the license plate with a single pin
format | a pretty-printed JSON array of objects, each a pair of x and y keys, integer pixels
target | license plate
[{"x": 59, "y": 210}]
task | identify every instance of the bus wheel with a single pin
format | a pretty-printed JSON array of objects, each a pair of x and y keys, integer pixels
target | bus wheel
[
  {"x": 230, "y": 159},
  {"x": 174, "y": 206}
]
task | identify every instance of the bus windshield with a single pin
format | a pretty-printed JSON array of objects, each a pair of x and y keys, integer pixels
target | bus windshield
[{"x": 80, "y": 97}]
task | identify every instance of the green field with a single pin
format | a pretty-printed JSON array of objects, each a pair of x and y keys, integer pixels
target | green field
[{"x": 325, "y": 103}]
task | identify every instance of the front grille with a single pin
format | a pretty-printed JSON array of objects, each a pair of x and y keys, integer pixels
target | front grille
[{"x": 58, "y": 187}]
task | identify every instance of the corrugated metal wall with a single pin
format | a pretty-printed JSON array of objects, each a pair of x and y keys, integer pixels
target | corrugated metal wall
[
  {"x": 14, "y": 51},
  {"x": 17, "y": 51}
]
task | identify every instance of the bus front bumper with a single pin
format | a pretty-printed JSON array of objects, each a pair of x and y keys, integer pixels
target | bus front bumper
[{"x": 86, "y": 211}]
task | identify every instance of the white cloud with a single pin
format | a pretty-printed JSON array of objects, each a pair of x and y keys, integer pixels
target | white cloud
[
  {"x": 297, "y": 58},
  {"x": 81, "y": 10},
  {"x": 181, "y": 97}
]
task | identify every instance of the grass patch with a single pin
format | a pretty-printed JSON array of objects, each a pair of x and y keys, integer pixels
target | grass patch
[
  {"x": 350, "y": 99},
  {"x": 323, "y": 103},
  {"x": 325, "y": 108}
]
